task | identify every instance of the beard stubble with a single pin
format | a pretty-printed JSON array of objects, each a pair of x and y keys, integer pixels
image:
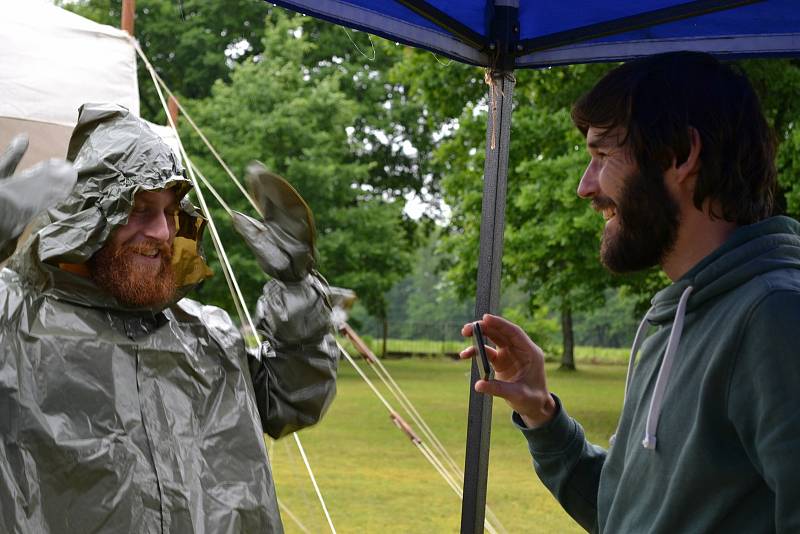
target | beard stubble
[{"x": 132, "y": 283}]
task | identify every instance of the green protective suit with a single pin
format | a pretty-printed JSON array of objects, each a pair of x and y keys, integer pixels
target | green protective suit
[{"x": 144, "y": 420}]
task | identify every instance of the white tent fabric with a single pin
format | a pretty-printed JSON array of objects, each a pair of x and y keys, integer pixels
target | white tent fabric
[{"x": 51, "y": 62}]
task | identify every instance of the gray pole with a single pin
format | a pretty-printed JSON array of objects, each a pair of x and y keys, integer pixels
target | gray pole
[{"x": 479, "y": 422}]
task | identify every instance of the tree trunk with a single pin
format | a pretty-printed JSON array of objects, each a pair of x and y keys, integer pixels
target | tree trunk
[
  {"x": 568, "y": 357},
  {"x": 385, "y": 335}
]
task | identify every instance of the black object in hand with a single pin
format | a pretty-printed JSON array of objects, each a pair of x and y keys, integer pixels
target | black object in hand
[{"x": 480, "y": 349}]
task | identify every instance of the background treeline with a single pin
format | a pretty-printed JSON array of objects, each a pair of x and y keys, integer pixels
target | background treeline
[{"x": 360, "y": 125}]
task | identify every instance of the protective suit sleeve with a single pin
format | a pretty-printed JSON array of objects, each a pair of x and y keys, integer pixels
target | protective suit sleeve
[
  {"x": 294, "y": 376},
  {"x": 763, "y": 398},
  {"x": 567, "y": 464},
  {"x": 17, "y": 488},
  {"x": 24, "y": 195}
]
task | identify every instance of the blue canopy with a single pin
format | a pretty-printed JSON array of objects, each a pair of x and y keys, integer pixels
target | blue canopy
[{"x": 558, "y": 32}]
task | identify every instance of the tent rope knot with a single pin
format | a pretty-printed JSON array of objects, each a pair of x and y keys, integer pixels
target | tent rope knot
[{"x": 494, "y": 79}]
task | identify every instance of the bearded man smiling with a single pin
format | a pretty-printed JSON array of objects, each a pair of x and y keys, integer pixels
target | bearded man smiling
[
  {"x": 682, "y": 167},
  {"x": 126, "y": 406}
]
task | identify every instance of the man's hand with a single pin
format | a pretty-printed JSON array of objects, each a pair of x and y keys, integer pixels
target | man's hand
[
  {"x": 283, "y": 242},
  {"x": 24, "y": 195},
  {"x": 518, "y": 369}
]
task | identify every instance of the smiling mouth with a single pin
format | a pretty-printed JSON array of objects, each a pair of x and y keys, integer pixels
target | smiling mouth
[
  {"x": 605, "y": 206},
  {"x": 151, "y": 254}
]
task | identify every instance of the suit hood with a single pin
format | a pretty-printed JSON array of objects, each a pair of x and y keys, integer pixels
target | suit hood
[{"x": 116, "y": 155}]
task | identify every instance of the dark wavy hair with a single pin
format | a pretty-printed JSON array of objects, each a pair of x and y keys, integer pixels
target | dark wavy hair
[{"x": 657, "y": 99}]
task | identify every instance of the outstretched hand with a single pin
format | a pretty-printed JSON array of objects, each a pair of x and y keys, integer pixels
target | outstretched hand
[
  {"x": 519, "y": 375},
  {"x": 24, "y": 195},
  {"x": 283, "y": 242}
]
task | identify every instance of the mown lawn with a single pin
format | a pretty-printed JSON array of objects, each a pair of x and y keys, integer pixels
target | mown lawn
[
  {"x": 583, "y": 354},
  {"x": 375, "y": 480}
]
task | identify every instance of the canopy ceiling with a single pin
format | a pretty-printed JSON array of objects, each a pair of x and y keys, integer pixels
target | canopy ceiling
[{"x": 557, "y": 32}]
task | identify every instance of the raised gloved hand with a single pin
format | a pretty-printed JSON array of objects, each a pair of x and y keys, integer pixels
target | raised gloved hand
[
  {"x": 283, "y": 242},
  {"x": 24, "y": 195}
]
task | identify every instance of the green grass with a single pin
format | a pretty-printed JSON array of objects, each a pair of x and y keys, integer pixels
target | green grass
[
  {"x": 375, "y": 480},
  {"x": 601, "y": 355},
  {"x": 583, "y": 354}
]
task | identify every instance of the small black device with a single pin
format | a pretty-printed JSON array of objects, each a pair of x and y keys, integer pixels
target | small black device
[{"x": 480, "y": 349}]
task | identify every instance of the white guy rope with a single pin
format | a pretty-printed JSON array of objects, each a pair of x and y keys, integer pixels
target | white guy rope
[
  {"x": 408, "y": 406},
  {"x": 366, "y": 378},
  {"x": 456, "y": 473},
  {"x": 207, "y": 143},
  {"x": 285, "y": 509},
  {"x": 359, "y": 48},
  {"x": 422, "y": 447},
  {"x": 404, "y": 401},
  {"x": 211, "y": 188},
  {"x": 293, "y": 517},
  {"x": 313, "y": 481}
]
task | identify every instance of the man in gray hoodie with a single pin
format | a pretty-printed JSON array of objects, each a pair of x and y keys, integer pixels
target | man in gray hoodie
[{"x": 682, "y": 169}]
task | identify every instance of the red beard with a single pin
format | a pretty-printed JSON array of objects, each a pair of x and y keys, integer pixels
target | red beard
[{"x": 121, "y": 272}]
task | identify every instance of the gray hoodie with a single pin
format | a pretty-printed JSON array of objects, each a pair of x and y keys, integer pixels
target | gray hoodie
[
  {"x": 709, "y": 435},
  {"x": 123, "y": 420}
]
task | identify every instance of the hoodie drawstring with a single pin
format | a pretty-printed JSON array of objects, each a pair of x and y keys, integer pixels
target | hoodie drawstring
[
  {"x": 653, "y": 414},
  {"x": 649, "y": 441},
  {"x": 637, "y": 344}
]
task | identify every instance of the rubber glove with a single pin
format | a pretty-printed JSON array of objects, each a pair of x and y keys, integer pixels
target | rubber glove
[
  {"x": 27, "y": 194},
  {"x": 283, "y": 242}
]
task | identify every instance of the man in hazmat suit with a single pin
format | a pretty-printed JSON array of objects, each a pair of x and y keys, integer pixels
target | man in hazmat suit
[{"x": 125, "y": 406}]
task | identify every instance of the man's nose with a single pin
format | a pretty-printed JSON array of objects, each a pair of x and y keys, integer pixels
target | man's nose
[
  {"x": 587, "y": 187},
  {"x": 160, "y": 227}
]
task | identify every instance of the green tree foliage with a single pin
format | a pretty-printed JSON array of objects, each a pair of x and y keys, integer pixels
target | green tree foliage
[
  {"x": 609, "y": 325},
  {"x": 776, "y": 82},
  {"x": 551, "y": 236},
  {"x": 280, "y": 97},
  {"x": 297, "y": 125},
  {"x": 388, "y": 135},
  {"x": 425, "y": 303}
]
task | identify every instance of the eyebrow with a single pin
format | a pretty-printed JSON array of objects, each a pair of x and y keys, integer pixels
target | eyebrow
[
  {"x": 598, "y": 143},
  {"x": 146, "y": 203},
  {"x": 603, "y": 141}
]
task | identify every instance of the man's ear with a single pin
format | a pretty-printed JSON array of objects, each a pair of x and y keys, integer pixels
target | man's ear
[{"x": 691, "y": 166}]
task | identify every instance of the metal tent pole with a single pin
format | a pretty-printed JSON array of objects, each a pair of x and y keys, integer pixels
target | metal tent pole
[
  {"x": 504, "y": 32},
  {"x": 498, "y": 134}
]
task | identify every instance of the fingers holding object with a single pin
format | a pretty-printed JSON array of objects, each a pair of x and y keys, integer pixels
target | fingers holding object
[
  {"x": 469, "y": 352},
  {"x": 510, "y": 391}
]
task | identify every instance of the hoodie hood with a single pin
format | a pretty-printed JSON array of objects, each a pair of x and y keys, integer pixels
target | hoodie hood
[
  {"x": 116, "y": 155},
  {"x": 772, "y": 244},
  {"x": 768, "y": 245}
]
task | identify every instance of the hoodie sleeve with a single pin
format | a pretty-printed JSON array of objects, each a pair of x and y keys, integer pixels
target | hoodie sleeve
[
  {"x": 567, "y": 464},
  {"x": 295, "y": 377},
  {"x": 763, "y": 400}
]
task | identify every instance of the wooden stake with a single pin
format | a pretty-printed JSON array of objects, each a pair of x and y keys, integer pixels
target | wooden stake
[
  {"x": 128, "y": 15},
  {"x": 172, "y": 106}
]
